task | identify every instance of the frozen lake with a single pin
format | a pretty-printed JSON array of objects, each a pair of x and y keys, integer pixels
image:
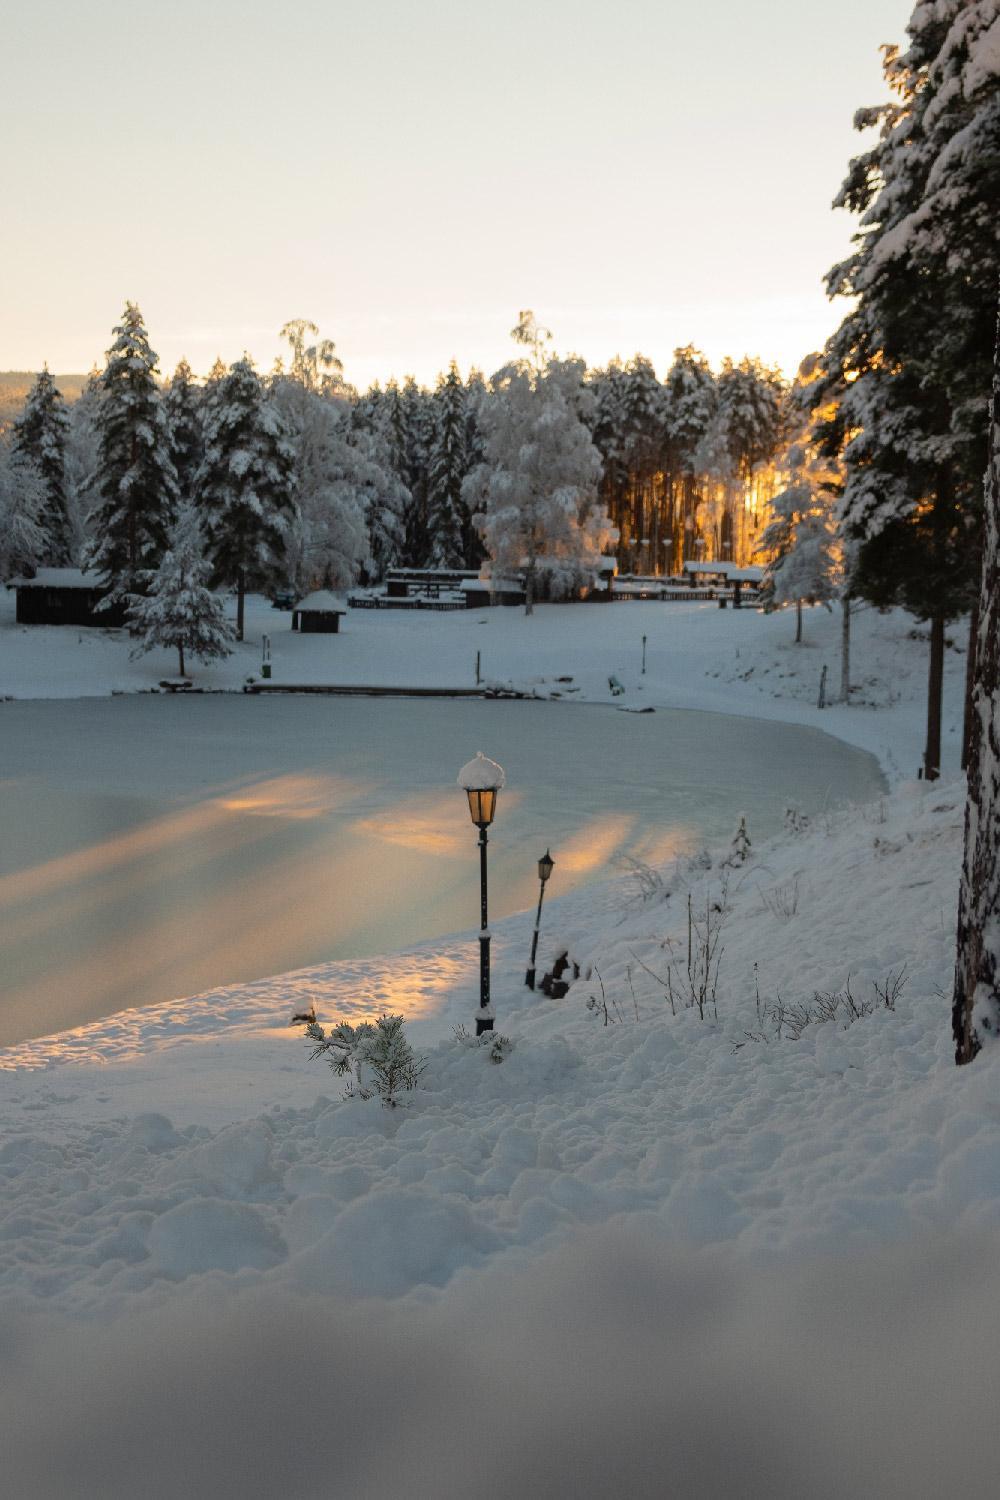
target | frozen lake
[{"x": 155, "y": 847}]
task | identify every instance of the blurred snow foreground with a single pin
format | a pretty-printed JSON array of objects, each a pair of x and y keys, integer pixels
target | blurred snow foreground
[{"x": 651, "y": 1253}]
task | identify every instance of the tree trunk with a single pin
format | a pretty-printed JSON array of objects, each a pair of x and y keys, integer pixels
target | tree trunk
[
  {"x": 529, "y": 587},
  {"x": 180, "y": 656},
  {"x": 970, "y": 684},
  {"x": 241, "y": 589},
  {"x": 798, "y": 622},
  {"x": 935, "y": 682},
  {"x": 975, "y": 1007},
  {"x": 845, "y": 650}
]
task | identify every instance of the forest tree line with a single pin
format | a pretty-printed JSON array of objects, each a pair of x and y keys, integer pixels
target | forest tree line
[{"x": 301, "y": 480}]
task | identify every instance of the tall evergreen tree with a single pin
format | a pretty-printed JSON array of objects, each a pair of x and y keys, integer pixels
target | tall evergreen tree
[
  {"x": 23, "y": 499},
  {"x": 82, "y": 450},
  {"x": 183, "y": 406},
  {"x": 416, "y": 431},
  {"x": 690, "y": 402},
  {"x": 135, "y": 484},
  {"x": 976, "y": 999},
  {"x": 246, "y": 483},
  {"x": 913, "y": 354},
  {"x": 40, "y": 437},
  {"x": 447, "y": 513}
]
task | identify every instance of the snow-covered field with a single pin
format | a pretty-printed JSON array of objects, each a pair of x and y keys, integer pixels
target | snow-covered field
[{"x": 746, "y": 1253}]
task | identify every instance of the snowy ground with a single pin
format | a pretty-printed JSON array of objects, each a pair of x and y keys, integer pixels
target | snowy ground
[
  {"x": 750, "y": 1253},
  {"x": 697, "y": 656}
]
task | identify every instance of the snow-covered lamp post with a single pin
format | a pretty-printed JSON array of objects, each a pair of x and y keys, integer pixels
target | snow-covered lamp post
[
  {"x": 544, "y": 871},
  {"x": 481, "y": 779}
]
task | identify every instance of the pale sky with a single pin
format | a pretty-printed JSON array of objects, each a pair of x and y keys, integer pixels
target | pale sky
[{"x": 410, "y": 173}]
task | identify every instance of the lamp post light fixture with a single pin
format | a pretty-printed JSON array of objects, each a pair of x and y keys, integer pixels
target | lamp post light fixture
[
  {"x": 481, "y": 779},
  {"x": 544, "y": 871}
]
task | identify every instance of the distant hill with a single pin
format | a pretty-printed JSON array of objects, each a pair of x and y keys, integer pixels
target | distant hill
[{"x": 15, "y": 385}]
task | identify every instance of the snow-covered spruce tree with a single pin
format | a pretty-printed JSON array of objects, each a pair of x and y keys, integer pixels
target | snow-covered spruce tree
[
  {"x": 537, "y": 488},
  {"x": 40, "y": 437},
  {"x": 476, "y": 397},
  {"x": 913, "y": 356},
  {"x": 447, "y": 513},
  {"x": 976, "y": 1000},
  {"x": 416, "y": 419},
  {"x": 327, "y": 540},
  {"x": 23, "y": 500},
  {"x": 641, "y": 439},
  {"x": 182, "y": 402},
  {"x": 82, "y": 450},
  {"x": 690, "y": 401},
  {"x": 245, "y": 485},
  {"x": 180, "y": 611},
  {"x": 135, "y": 484}
]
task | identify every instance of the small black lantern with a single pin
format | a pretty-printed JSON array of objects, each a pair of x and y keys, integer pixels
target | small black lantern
[
  {"x": 545, "y": 866},
  {"x": 482, "y": 804}
]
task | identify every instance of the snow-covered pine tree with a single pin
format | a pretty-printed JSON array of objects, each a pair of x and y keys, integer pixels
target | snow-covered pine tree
[
  {"x": 537, "y": 488},
  {"x": 606, "y": 431},
  {"x": 179, "y": 611},
  {"x": 135, "y": 485},
  {"x": 40, "y": 437},
  {"x": 415, "y": 425},
  {"x": 82, "y": 451},
  {"x": 690, "y": 402},
  {"x": 913, "y": 355},
  {"x": 476, "y": 396},
  {"x": 182, "y": 401},
  {"x": 447, "y": 513},
  {"x": 641, "y": 414},
  {"x": 246, "y": 481},
  {"x": 976, "y": 1000},
  {"x": 23, "y": 501}
]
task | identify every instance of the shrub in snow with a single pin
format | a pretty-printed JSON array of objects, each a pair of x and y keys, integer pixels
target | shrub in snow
[
  {"x": 377, "y": 1059},
  {"x": 497, "y": 1045}
]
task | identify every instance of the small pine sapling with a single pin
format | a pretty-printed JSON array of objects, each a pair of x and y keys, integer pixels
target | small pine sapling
[
  {"x": 740, "y": 850},
  {"x": 377, "y": 1059}
]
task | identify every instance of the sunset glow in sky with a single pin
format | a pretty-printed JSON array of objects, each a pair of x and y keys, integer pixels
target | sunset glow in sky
[{"x": 408, "y": 175}]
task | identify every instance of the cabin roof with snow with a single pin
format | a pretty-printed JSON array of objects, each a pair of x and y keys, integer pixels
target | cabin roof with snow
[
  {"x": 726, "y": 570},
  {"x": 322, "y": 602},
  {"x": 58, "y": 578}
]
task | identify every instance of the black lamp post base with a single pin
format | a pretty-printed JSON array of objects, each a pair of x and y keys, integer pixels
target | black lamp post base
[
  {"x": 529, "y": 979},
  {"x": 483, "y": 1024}
]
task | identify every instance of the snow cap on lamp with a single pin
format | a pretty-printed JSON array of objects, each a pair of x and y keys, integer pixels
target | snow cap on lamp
[{"x": 481, "y": 779}]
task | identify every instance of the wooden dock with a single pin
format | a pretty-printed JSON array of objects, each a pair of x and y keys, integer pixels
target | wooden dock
[{"x": 363, "y": 690}]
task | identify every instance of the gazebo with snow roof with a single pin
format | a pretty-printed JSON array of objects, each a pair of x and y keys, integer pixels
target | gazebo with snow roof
[{"x": 318, "y": 613}]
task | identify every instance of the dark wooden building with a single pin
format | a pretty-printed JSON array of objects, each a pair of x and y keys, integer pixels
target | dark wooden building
[
  {"x": 64, "y": 596},
  {"x": 318, "y": 613}
]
